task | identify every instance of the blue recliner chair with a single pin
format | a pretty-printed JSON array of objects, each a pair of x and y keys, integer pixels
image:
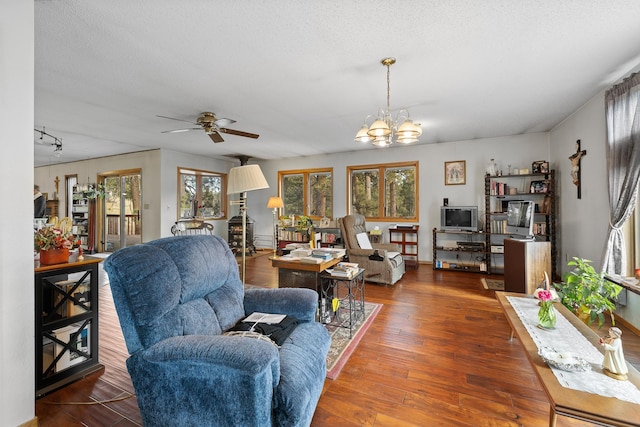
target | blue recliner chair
[{"x": 175, "y": 298}]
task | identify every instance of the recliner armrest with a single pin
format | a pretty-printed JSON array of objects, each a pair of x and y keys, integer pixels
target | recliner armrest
[
  {"x": 232, "y": 353},
  {"x": 297, "y": 302},
  {"x": 391, "y": 247},
  {"x": 366, "y": 252}
]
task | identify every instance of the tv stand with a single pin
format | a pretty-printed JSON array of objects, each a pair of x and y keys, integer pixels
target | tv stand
[{"x": 459, "y": 250}]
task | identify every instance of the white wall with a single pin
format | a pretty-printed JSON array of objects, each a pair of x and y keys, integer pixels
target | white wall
[
  {"x": 583, "y": 225},
  {"x": 171, "y": 160},
  {"x": 159, "y": 179},
  {"x": 17, "y": 385},
  {"x": 159, "y": 183},
  {"x": 88, "y": 170},
  {"x": 519, "y": 151},
  {"x": 585, "y": 221}
]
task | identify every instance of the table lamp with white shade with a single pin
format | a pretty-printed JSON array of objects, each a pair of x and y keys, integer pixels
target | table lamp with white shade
[{"x": 275, "y": 203}]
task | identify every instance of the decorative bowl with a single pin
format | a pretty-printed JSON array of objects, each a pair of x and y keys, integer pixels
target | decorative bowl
[{"x": 563, "y": 361}]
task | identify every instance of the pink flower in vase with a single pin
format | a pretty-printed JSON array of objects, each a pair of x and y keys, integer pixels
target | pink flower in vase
[{"x": 544, "y": 295}]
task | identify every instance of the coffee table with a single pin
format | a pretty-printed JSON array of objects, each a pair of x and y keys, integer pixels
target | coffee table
[
  {"x": 293, "y": 273},
  {"x": 577, "y": 404}
]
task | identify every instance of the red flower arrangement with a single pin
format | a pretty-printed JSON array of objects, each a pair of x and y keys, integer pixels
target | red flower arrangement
[{"x": 53, "y": 238}]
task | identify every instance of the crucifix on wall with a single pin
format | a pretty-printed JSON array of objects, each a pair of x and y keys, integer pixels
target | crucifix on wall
[{"x": 575, "y": 166}]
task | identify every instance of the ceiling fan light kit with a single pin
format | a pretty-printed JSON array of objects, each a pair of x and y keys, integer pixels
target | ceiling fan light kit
[
  {"x": 384, "y": 129},
  {"x": 212, "y": 126}
]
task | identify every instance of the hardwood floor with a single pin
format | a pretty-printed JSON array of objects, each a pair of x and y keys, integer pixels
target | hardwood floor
[{"x": 438, "y": 354}]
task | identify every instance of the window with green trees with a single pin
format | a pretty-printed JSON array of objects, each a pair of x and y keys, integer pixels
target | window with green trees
[
  {"x": 200, "y": 194},
  {"x": 385, "y": 191},
  {"x": 307, "y": 192}
]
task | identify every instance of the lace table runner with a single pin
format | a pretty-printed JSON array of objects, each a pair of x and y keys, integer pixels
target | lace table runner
[{"x": 565, "y": 338}]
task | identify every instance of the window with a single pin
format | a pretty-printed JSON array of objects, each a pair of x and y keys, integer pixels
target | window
[
  {"x": 307, "y": 192},
  {"x": 200, "y": 194},
  {"x": 385, "y": 191}
]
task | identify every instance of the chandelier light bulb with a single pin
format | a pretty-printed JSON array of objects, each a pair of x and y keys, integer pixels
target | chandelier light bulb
[
  {"x": 363, "y": 135},
  {"x": 382, "y": 141},
  {"x": 379, "y": 128}
]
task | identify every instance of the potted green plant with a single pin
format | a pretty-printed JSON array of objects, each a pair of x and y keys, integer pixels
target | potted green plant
[
  {"x": 587, "y": 293},
  {"x": 304, "y": 223}
]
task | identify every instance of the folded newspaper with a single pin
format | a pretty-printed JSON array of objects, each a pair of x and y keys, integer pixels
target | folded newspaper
[{"x": 269, "y": 318}]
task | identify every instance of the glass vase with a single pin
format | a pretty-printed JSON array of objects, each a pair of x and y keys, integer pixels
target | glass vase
[
  {"x": 547, "y": 315},
  {"x": 492, "y": 168}
]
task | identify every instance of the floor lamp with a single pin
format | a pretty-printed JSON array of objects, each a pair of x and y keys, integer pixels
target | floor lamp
[
  {"x": 275, "y": 203},
  {"x": 242, "y": 179}
]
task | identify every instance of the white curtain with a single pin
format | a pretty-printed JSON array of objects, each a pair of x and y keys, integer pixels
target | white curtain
[{"x": 623, "y": 166}]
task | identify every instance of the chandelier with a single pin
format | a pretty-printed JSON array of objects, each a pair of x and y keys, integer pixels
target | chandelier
[
  {"x": 385, "y": 128},
  {"x": 56, "y": 143}
]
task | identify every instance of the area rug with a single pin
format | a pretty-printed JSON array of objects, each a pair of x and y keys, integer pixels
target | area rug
[
  {"x": 341, "y": 346},
  {"x": 493, "y": 284}
]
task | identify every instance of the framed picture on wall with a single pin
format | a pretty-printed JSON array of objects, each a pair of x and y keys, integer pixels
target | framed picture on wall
[{"x": 455, "y": 172}]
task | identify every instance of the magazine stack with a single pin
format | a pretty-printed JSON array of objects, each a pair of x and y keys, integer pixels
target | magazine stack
[{"x": 347, "y": 270}]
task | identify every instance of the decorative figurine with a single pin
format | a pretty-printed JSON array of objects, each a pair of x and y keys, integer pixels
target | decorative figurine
[
  {"x": 492, "y": 168},
  {"x": 614, "y": 364},
  {"x": 80, "y": 252}
]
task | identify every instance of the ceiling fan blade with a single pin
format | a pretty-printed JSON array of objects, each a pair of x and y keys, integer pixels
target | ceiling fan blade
[
  {"x": 216, "y": 137},
  {"x": 239, "y": 133},
  {"x": 173, "y": 118},
  {"x": 180, "y": 130},
  {"x": 224, "y": 122}
]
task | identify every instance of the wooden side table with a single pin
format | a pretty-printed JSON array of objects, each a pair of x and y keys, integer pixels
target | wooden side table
[
  {"x": 375, "y": 237},
  {"x": 66, "y": 322},
  {"x": 407, "y": 238}
]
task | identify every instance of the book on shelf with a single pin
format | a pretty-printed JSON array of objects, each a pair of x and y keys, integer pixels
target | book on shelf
[{"x": 498, "y": 188}]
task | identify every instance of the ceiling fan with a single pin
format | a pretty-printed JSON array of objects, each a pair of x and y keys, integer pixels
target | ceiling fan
[{"x": 212, "y": 126}]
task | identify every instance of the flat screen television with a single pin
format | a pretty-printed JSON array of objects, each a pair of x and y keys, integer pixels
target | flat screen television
[
  {"x": 520, "y": 218},
  {"x": 459, "y": 218}
]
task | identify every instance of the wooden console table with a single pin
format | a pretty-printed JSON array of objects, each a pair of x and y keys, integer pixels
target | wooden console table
[
  {"x": 66, "y": 322},
  {"x": 576, "y": 404}
]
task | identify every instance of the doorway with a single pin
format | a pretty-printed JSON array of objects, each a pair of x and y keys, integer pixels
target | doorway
[
  {"x": 120, "y": 222},
  {"x": 70, "y": 181}
]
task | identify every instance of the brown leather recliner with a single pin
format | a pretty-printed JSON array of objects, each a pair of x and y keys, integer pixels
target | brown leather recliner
[{"x": 386, "y": 268}]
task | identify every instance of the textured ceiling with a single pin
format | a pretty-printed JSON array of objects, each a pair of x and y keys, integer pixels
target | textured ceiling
[{"x": 304, "y": 75}]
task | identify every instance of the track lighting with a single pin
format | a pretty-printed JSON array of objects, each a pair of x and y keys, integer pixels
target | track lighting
[{"x": 56, "y": 143}]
